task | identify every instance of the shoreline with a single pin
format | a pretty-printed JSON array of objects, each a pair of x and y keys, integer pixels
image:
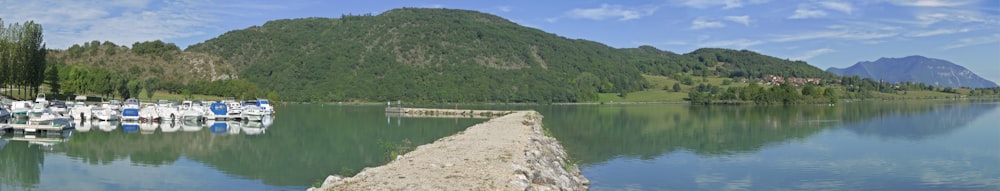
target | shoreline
[{"x": 509, "y": 152}]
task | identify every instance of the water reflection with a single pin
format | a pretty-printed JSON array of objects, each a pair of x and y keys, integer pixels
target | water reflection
[
  {"x": 594, "y": 134},
  {"x": 856, "y": 146},
  {"x": 291, "y": 151}
]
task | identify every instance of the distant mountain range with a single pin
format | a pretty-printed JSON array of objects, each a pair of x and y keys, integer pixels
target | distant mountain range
[{"x": 917, "y": 69}]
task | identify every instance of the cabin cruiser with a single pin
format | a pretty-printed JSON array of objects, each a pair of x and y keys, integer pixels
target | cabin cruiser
[
  {"x": 19, "y": 109},
  {"x": 80, "y": 111},
  {"x": 266, "y": 106},
  {"x": 130, "y": 110},
  {"x": 191, "y": 110},
  {"x": 47, "y": 117},
  {"x": 217, "y": 111},
  {"x": 104, "y": 114},
  {"x": 235, "y": 108},
  {"x": 253, "y": 113},
  {"x": 148, "y": 113},
  {"x": 58, "y": 107},
  {"x": 167, "y": 110},
  {"x": 114, "y": 105},
  {"x": 40, "y": 98},
  {"x": 38, "y": 110}
]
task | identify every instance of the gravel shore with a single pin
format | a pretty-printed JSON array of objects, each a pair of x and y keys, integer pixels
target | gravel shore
[{"x": 506, "y": 153}]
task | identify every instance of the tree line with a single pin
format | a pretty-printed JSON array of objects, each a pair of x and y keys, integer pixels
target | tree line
[{"x": 22, "y": 57}]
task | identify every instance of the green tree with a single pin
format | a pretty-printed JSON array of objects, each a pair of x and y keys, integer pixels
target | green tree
[{"x": 677, "y": 87}]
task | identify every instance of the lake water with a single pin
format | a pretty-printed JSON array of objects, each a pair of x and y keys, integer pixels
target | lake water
[{"x": 851, "y": 146}]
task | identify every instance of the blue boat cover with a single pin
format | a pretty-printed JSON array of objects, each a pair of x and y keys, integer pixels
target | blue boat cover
[
  {"x": 130, "y": 112},
  {"x": 219, "y": 127},
  {"x": 219, "y": 108}
]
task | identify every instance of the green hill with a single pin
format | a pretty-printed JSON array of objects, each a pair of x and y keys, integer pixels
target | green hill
[{"x": 439, "y": 55}]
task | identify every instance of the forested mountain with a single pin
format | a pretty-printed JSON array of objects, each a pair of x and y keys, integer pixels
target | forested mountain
[
  {"x": 719, "y": 62},
  {"x": 917, "y": 69},
  {"x": 422, "y": 54},
  {"x": 108, "y": 69}
]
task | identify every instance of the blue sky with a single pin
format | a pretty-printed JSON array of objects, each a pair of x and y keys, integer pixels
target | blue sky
[{"x": 825, "y": 33}]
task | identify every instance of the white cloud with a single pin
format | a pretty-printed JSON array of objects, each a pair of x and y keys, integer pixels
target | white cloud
[
  {"x": 929, "y": 3},
  {"x": 726, "y": 4},
  {"x": 952, "y": 16},
  {"x": 611, "y": 11},
  {"x": 838, "y": 6},
  {"x": 973, "y": 41},
  {"x": 842, "y": 34},
  {"x": 701, "y": 23},
  {"x": 736, "y": 44},
  {"x": 745, "y": 19},
  {"x": 813, "y": 53},
  {"x": 936, "y": 32},
  {"x": 68, "y": 22},
  {"x": 805, "y": 13},
  {"x": 505, "y": 8}
]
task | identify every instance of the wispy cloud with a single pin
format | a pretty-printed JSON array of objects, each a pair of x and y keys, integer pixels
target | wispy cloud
[
  {"x": 726, "y": 4},
  {"x": 702, "y": 23},
  {"x": 838, "y": 6},
  {"x": 930, "y": 3},
  {"x": 936, "y": 32},
  {"x": 806, "y": 13},
  {"x": 505, "y": 8},
  {"x": 607, "y": 11},
  {"x": 973, "y": 41},
  {"x": 842, "y": 34},
  {"x": 814, "y": 53},
  {"x": 745, "y": 19},
  {"x": 736, "y": 44},
  {"x": 69, "y": 22}
]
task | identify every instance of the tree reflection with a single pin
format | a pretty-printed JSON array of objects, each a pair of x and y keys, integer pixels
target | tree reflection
[{"x": 20, "y": 164}]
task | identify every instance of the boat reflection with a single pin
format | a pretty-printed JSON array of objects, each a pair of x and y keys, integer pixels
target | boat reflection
[
  {"x": 191, "y": 126},
  {"x": 169, "y": 127},
  {"x": 84, "y": 126},
  {"x": 130, "y": 127},
  {"x": 148, "y": 128},
  {"x": 107, "y": 126}
]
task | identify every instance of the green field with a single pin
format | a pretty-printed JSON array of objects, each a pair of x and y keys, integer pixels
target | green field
[{"x": 658, "y": 94}]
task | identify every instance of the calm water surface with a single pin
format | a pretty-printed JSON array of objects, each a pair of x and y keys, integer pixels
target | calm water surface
[
  {"x": 854, "y": 146},
  {"x": 851, "y": 146},
  {"x": 304, "y": 144}
]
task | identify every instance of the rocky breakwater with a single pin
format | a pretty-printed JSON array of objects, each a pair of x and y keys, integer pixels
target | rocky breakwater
[{"x": 510, "y": 152}]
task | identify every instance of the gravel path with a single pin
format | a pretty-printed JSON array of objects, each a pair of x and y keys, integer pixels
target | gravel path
[{"x": 505, "y": 153}]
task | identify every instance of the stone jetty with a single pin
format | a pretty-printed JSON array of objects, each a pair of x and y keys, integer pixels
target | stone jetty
[{"x": 510, "y": 152}]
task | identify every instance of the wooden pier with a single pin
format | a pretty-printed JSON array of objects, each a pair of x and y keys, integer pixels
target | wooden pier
[
  {"x": 429, "y": 112},
  {"x": 33, "y": 128}
]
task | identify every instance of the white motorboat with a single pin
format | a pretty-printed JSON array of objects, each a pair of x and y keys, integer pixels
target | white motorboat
[
  {"x": 114, "y": 105},
  {"x": 104, "y": 114},
  {"x": 191, "y": 111},
  {"x": 148, "y": 113},
  {"x": 166, "y": 110},
  {"x": 58, "y": 107},
  {"x": 38, "y": 110},
  {"x": 253, "y": 113},
  {"x": 234, "y": 108},
  {"x": 19, "y": 109},
  {"x": 40, "y": 98},
  {"x": 80, "y": 111}
]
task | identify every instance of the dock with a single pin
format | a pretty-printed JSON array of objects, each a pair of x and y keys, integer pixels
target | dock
[
  {"x": 429, "y": 112},
  {"x": 25, "y": 128}
]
